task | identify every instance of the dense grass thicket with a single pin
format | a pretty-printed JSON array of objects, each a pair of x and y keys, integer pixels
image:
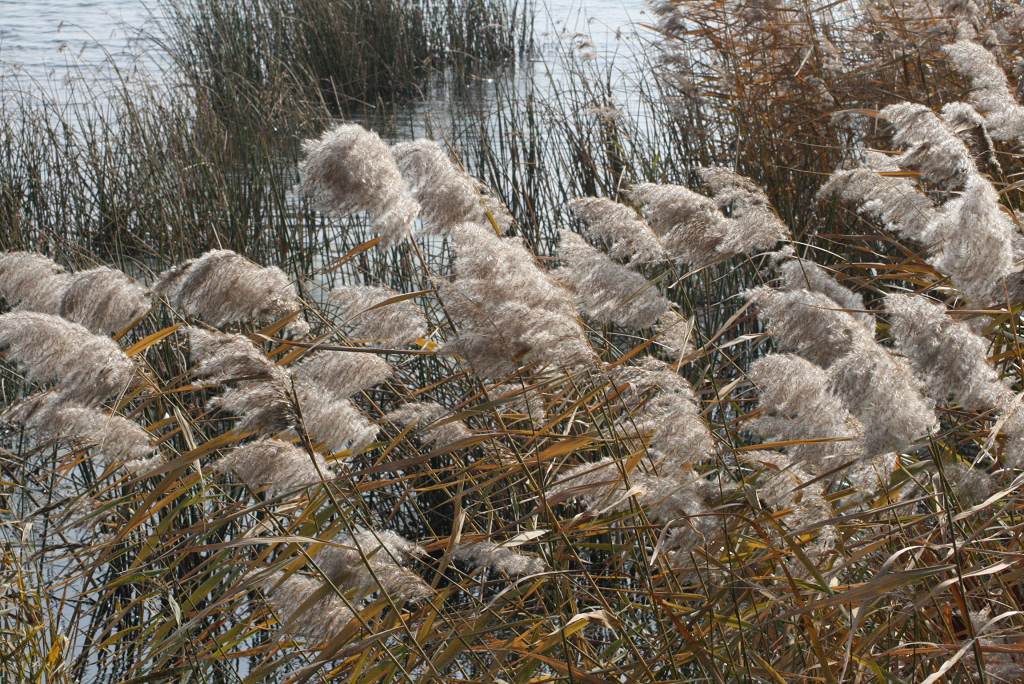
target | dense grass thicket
[{"x": 712, "y": 375}]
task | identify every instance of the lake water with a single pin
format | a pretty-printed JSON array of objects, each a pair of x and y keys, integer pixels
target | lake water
[{"x": 41, "y": 39}]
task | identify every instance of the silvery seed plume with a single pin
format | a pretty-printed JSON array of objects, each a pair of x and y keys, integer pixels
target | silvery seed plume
[
  {"x": 607, "y": 292},
  {"x": 280, "y": 466},
  {"x": 447, "y": 195},
  {"x": 946, "y": 354},
  {"x": 970, "y": 485},
  {"x": 990, "y": 91},
  {"x": 663, "y": 405},
  {"x": 752, "y": 223},
  {"x": 933, "y": 148},
  {"x": 423, "y": 416},
  {"x": 507, "y": 311},
  {"x": 790, "y": 487},
  {"x": 334, "y": 423},
  {"x": 515, "y": 399},
  {"x": 31, "y": 281},
  {"x": 350, "y": 169},
  {"x": 970, "y": 126},
  {"x": 804, "y": 274},
  {"x": 264, "y": 407},
  {"x": 394, "y": 325},
  {"x": 674, "y": 332},
  {"x": 796, "y": 403},
  {"x": 366, "y": 562},
  {"x": 103, "y": 300},
  {"x": 487, "y": 554},
  {"x": 807, "y": 323},
  {"x": 220, "y": 358},
  {"x": 306, "y": 606},
  {"x": 880, "y": 389},
  {"x": 224, "y": 288},
  {"x": 85, "y": 368},
  {"x": 626, "y": 235},
  {"x": 114, "y": 438},
  {"x": 896, "y": 202},
  {"x": 689, "y": 224},
  {"x": 342, "y": 374},
  {"x": 972, "y": 241}
]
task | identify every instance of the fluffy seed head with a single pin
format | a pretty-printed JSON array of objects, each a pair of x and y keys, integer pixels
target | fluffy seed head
[
  {"x": 366, "y": 317},
  {"x": 221, "y": 358},
  {"x": 224, "y": 288},
  {"x": 896, "y": 202},
  {"x": 103, "y": 300},
  {"x": 990, "y": 91},
  {"x": 422, "y": 416},
  {"x": 305, "y": 606},
  {"x": 343, "y": 374},
  {"x": 369, "y": 561},
  {"x": 350, "y": 169},
  {"x": 605, "y": 291},
  {"x": 280, "y": 466},
  {"x": 85, "y": 368},
  {"x": 625, "y": 234},
  {"x": 933, "y": 148},
  {"x": 487, "y": 554}
]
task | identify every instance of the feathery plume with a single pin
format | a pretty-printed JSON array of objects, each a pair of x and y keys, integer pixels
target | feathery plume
[
  {"x": 334, "y": 423},
  {"x": 882, "y": 392},
  {"x": 669, "y": 412},
  {"x": 807, "y": 323},
  {"x": 517, "y": 399},
  {"x": 102, "y": 299},
  {"x": 264, "y": 407},
  {"x": 224, "y": 288},
  {"x": 31, "y": 281},
  {"x": 970, "y": 126},
  {"x": 507, "y": 311},
  {"x": 674, "y": 332},
  {"x": 447, "y": 195},
  {"x": 115, "y": 438},
  {"x": 972, "y": 240},
  {"x": 220, "y": 358},
  {"x": 366, "y": 317},
  {"x": 85, "y": 368},
  {"x": 752, "y": 223},
  {"x": 933, "y": 148},
  {"x": 798, "y": 405},
  {"x": 789, "y": 487},
  {"x": 896, "y": 202},
  {"x": 990, "y": 91},
  {"x": 367, "y": 561},
  {"x": 946, "y": 354},
  {"x": 694, "y": 228},
  {"x": 342, "y": 374},
  {"x": 804, "y": 274},
  {"x": 350, "y": 169},
  {"x": 306, "y": 606},
  {"x": 280, "y": 466},
  {"x": 487, "y": 554},
  {"x": 422, "y": 416},
  {"x": 621, "y": 230},
  {"x": 607, "y": 292}
]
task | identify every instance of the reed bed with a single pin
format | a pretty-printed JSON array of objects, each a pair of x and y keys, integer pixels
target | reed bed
[{"x": 717, "y": 382}]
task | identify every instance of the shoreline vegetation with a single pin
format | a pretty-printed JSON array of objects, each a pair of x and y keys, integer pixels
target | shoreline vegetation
[{"x": 710, "y": 373}]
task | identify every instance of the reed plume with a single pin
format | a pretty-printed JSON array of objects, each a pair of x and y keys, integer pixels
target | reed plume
[
  {"x": 305, "y": 606},
  {"x": 607, "y": 292},
  {"x": 695, "y": 229},
  {"x": 279, "y": 466},
  {"x": 366, "y": 316},
  {"x": 619, "y": 229},
  {"x": 507, "y": 311},
  {"x": 350, "y": 169},
  {"x": 675, "y": 332},
  {"x": 804, "y": 274},
  {"x": 342, "y": 374},
  {"x": 447, "y": 195},
  {"x": 220, "y": 358},
  {"x": 336, "y": 424},
  {"x": 896, "y": 202},
  {"x": 932, "y": 147},
  {"x": 946, "y": 354},
  {"x": 423, "y": 417},
  {"x": 224, "y": 288},
  {"x": 990, "y": 92},
  {"x": 102, "y": 299},
  {"x": 84, "y": 368},
  {"x": 503, "y": 559},
  {"x": 368, "y": 561}
]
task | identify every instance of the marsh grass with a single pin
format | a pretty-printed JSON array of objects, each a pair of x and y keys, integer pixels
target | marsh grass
[{"x": 151, "y": 582}]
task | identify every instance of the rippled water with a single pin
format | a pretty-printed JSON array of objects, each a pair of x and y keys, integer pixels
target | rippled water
[{"x": 41, "y": 39}]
